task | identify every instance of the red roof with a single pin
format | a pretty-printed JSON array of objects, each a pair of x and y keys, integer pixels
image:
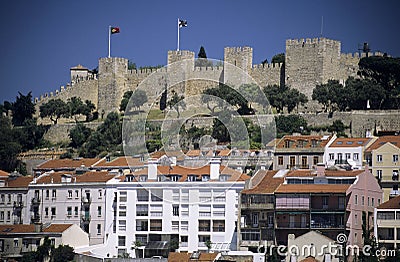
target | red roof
[
  {"x": 12, "y": 229},
  {"x": 88, "y": 177},
  {"x": 350, "y": 142},
  {"x": 393, "y": 203},
  {"x": 312, "y": 188},
  {"x": 395, "y": 140},
  {"x": 267, "y": 185},
  {"x": 321, "y": 141},
  {"x": 120, "y": 162},
  {"x": 68, "y": 163},
  {"x": 21, "y": 181}
]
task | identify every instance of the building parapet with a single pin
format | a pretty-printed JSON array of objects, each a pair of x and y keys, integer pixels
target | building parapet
[{"x": 272, "y": 65}]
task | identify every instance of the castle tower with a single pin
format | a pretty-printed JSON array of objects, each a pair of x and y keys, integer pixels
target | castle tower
[
  {"x": 112, "y": 82},
  {"x": 180, "y": 68},
  {"x": 238, "y": 62},
  {"x": 311, "y": 62}
]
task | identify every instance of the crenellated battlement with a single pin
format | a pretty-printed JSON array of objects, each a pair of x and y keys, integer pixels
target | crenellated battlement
[
  {"x": 265, "y": 66},
  {"x": 313, "y": 42},
  {"x": 309, "y": 61}
]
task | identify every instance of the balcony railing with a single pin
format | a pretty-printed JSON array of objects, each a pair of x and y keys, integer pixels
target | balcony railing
[
  {"x": 292, "y": 225},
  {"x": 86, "y": 218},
  {"x": 204, "y": 229},
  {"x": 18, "y": 204},
  {"x": 36, "y": 200},
  {"x": 298, "y": 166},
  {"x": 155, "y": 228},
  {"x": 218, "y": 229},
  {"x": 86, "y": 200},
  {"x": 141, "y": 228},
  {"x": 258, "y": 205},
  {"x": 326, "y": 225}
]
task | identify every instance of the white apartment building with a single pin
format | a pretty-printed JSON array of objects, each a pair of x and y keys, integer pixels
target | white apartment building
[
  {"x": 346, "y": 151},
  {"x": 160, "y": 208},
  {"x": 67, "y": 198}
]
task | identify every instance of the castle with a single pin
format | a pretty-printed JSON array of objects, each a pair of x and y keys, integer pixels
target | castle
[{"x": 308, "y": 62}]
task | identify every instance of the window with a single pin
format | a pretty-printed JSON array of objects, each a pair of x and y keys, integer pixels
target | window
[
  {"x": 356, "y": 200},
  {"x": 142, "y": 195},
  {"x": 69, "y": 193},
  {"x": 8, "y": 215},
  {"x": 175, "y": 210},
  {"x": 355, "y": 219},
  {"x": 98, "y": 229},
  {"x": 325, "y": 202},
  {"x": 2, "y": 215},
  {"x": 304, "y": 161},
  {"x": 331, "y": 156},
  {"x": 379, "y": 174},
  {"x": 15, "y": 242},
  {"x": 69, "y": 211},
  {"x": 100, "y": 193},
  {"x": 76, "y": 193},
  {"x": 46, "y": 211},
  {"x": 121, "y": 241},
  {"x": 122, "y": 225},
  {"x": 142, "y": 210},
  {"x": 368, "y": 201},
  {"x": 47, "y": 194},
  {"x": 280, "y": 161},
  {"x": 287, "y": 143},
  {"x": 348, "y": 155},
  {"x": 373, "y": 202},
  {"x": 99, "y": 211},
  {"x": 292, "y": 161},
  {"x": 9, "y": 198},
  {"x": 395, "y": 175},
  {"x": 2, "y": 198},
  {"x": 395, "y": 158},
  {"x": 379, "y": 158},
  {"x": 339, "y": 156},
  {"x": 315, "y": 160},
  {"x": 53, "y": 241},
  {"x": 53, "y": 212},
  {"x": 122, "y": 211},
  {"x": 122, "y": 196},
  {"x": 355, "y": 156},
  {"x": 362, "y": 200},
  {"x": 76, "y": 211},
  {"x": 53, "y": 194}
]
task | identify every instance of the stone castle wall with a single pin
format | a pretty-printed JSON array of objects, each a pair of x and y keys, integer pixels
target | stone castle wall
[{"x": 309, "y": 62}]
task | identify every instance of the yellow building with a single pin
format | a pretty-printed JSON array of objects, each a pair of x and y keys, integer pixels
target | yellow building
[{"x": 383, "y": 158}]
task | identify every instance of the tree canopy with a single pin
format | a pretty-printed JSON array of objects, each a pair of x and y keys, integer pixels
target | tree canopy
[
  {"x": 282, "y": 97},
  {"x": 202, "y": 58},
  {"x": 54, "y": 108},
  {"x": 22, "y": 109},
  {"x": 278, "y": 58},
  {"x": 177, "y": 102}
]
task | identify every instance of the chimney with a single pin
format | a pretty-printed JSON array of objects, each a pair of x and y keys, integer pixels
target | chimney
[
  {"x": 320, "y": 170},
  {"x": 152, "y": 169},
  {"x": 38, "y": 227},
  {"x": 215, "y": 164}
]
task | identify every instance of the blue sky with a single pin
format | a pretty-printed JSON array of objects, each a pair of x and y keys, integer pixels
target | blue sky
[{"x": 42, "y": 39}]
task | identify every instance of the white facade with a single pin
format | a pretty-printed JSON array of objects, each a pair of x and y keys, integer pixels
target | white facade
[{"x": 192, "y": 212}]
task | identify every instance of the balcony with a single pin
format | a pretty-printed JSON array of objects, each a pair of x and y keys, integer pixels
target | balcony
[
  {"x": 18, "y": 204},
  {"x": 218, "y": 229},
  {"x": 292, "y": 225},
  {"x": 253, "y": 206},
  {"x": 85, "y": 218},
  {"x": 292, "y": 167},
  {"x": 86, "y": 200},
  {"x": 155, "y": 228},
  {"x": 204, "y": 229},
  {"x": 36, "y": 201},
  {"x": 141, "y": 228}
]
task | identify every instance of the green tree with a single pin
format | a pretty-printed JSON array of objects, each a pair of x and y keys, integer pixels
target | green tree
[
  {"x": 294, "y": 98},
  {"x": 63, "y": 254},
  {"x": 131, "y": 65},
  {"x": 176, "y": 102},
  {"x": 79, "y": 135},
  {"x": 282, "y": 97},
  {"x": 9, "y": 147},
  {"x": 338, "y": 127},
  {"x": 224, "y": 96},
  {"x": 43, "y": 251},
  {"x": 55, "y": 108},
  {"x": 278, "y": 58},
  {"x": 163, "y": 100},
  {"x": 88, "y": 110},
  {"x": 361, "y": 92},
  {"x": 30, "y": 135},
  {"x": 286, "y": 125},
  {"x": 75, "y": 107},
  {"x": 202, "y": 58},
  {"x": 331, "y": 95},
  {"x": 22, "y": 109},
  {"x": 125, "y": 100},
  {"x": 253, "y": 94}
]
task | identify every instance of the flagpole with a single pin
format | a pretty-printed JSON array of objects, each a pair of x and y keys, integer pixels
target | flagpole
[
  {"x": 109, "y": 41},
  {"x": 177, "y": 49}
]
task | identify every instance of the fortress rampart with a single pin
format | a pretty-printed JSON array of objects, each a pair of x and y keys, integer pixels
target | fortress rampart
[{"x": 308, "y": 62}]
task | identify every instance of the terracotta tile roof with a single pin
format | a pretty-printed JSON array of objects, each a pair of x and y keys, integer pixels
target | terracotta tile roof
[
  {"x": 395, "y": 140},
  {"x": 193, "y": 153},
  {"x": 204, "y": 170},
  {"x": 57, "y": 228},
  {"x": 350, "y": 142},
  {"x": 88, "y": 177},
  {"x": 328, "y": 173},
  {"x": 307, "y": 141},
  {"x": 309, "y": 259},
  {"x": 312, "y": 188},
  {"x": 273, "y": 142},
  {"x": 178, "y": 154},
  {"x": 224, "y": 152},
  {"x": 3, "y": 173},
  {"x": 12, "y": 229},
  {"x": 67, "y": 163},
  {"x": 185, "y": 257},
  {"x": 267, "y": 185},
  {"x": 22, "y": 181},
  {"x": 120, "y": 162},
  {"x": 393, "y": 203}
]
